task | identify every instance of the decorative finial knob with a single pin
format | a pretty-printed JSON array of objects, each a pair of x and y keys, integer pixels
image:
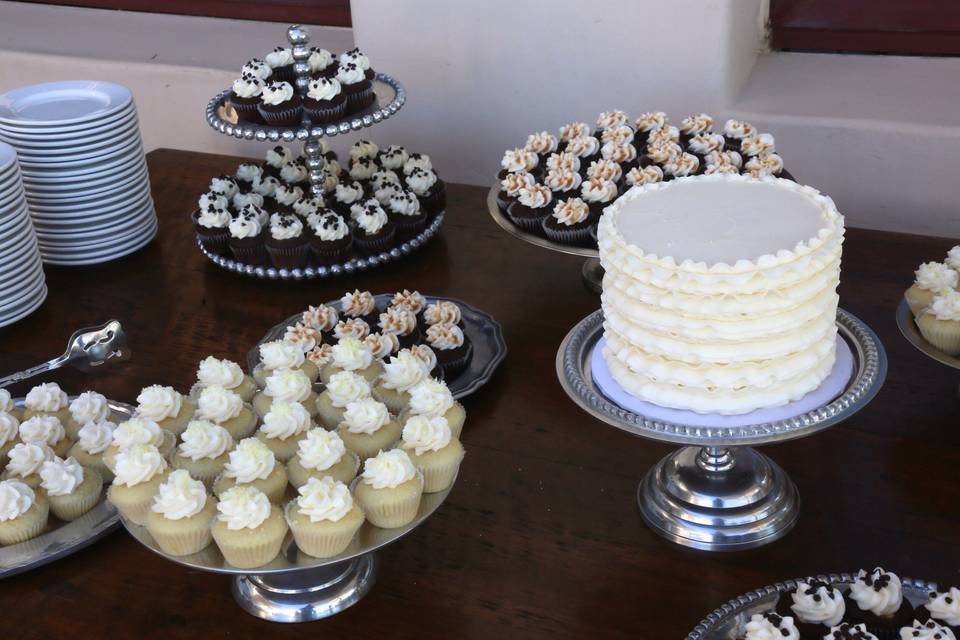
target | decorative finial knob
[{"x": 297, "y": 34}]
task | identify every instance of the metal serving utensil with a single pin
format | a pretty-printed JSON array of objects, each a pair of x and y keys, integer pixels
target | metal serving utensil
[{"x": 87, "y": 349}]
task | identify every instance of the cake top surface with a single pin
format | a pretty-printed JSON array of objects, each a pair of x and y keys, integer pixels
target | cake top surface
[{"x": 720, "y": 220}]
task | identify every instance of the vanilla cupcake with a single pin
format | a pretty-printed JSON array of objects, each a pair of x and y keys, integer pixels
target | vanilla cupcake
[
  {"x": 432, "y": 398},
  {"x": 342, "y": 389},
  {"x": 433, "y": 449},
  {"x": 281, "y": 356},
  {"x": 87, "y": 407},
  {"x": 321, "y": 453},
  {"x": 72, "y": 490},
  {"x": 282, "y": 428},
  {"x": 403, "y": 371},
  {"x": 25, "y": 460},
  {"x": 136, "y": 431},
  {"x": 286, "y": 386},
  {"x": 139, "y": 471},
  {"x": 324, "y": 518},
  {"x": 7, "y": 405},
  {"x": 389, "y": 489},
  {"x": 92, "y": 442},
  {"x": 248, "y": 529},
  {"x": 214, "y": 372},
  {"x": 45, "y": 429},
  {"x": 352, "y": 354},
  {"x": 9, "y": 432},
  {"x": 204, "y": 451},
  {"x": 165, "y": 406},
  {"x": 181, "y": 515},
  {"x": 226, "y": 409},
  {"x": 939, "y": 323},
  {"x": 47, "y": 399},
  {"x": 931, "y": 278},
  {"x": 253, "y": 463},
  {"x": 368, "y": 427},
  {"x": 23, "y": 512}
]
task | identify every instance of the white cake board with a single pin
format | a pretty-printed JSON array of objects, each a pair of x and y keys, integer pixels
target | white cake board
[{"x": 831, "y": 388}]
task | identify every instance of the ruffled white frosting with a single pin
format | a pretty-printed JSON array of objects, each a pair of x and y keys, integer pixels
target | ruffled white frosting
[
  {"x": 158, "y": 403},
  {"x": 243, "y": 507},
  {"x": 47, "y": 397},
  {"x": 320, "y": 449},
  {"x": 324, "y": 89},
  {"x": 345, "y": 387},
  {"x": 945, "y": 606},
  {"x": 365, "y": 416},
  {"x": 519, "y": 160},
  {"x": 136, "y": 431},
  {"x": 351, "y": 354},
  {"x": 204, "y": 440},
  {"x": 89, "y": 406},
  {"x": 180, "y": 496},
  {"x": 95, "y": 437},
  {"x": 934, "y": 276},
  {"x": 61, "y": 477},
  {"x": 302, "y": 335},
  {"x": 426, "y": 433},
  {"x": 877, "y": 591},
  {"x": 9, "y": 428},
  {"x": 285, "y": 420},
  {"x": 137, "y": 464},
  {"x": 217, "y": 404},
  {"x": 278, "y": 355},
  {"x": 247, "y": 86},
  {"x": 288, "y": 385},
  {"x": 26, "y": 458},
  {"x": 445, "y": 337},
  {"x": 319, "y": 59},
  {"x": 388, "y": 469},
  {"x": 243, "y": 200},
  {"x": 818, "y": 603},
  {"x": 953, "y": 258},
  {"x": 324, "y": 499},
  {"x": 279, "y": 57},
  {"x": 16, "y": 498},
  {"x": 403, "y": 371},
  {"x": 350, "y": 73},
  {"x": 574, "y": 130},
  {"x": 244, "y": 227},
  {"x": 430, "y": 398},
  {"x": 251, "y": 460},
  {"x": 399, "y": 321},
  {"x": 382, "y": 344},
  {"x": 42, "y": 429}
]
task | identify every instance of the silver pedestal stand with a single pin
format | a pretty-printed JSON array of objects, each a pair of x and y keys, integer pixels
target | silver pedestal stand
[
  {"x": 717, "y": 493},
  {"x": 591, "y": 271},
  {"x": 908, "y": 327},
  {"x": 295, "y": 587}
]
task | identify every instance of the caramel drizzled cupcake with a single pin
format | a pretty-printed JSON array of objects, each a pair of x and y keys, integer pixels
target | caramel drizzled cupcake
[
  {"x": 302, "y": 335},
  {"x": 323, "y": 318},
  {"x": 646, "y": 124},
  {"x": 531, "y": 207},
  {"x": 452, "y": 347},
  {"x": 681, "y": 166},
  {"x": 598, "y": 194},
  {"x": 570, "y": 222},
  {"x": 734, "y": 131},
  {"x": 542, "y": 143},
  {"x": 518, "y": 161},
  {"x": 647, "y": 175},
  {"x": 402, "y": 323}
]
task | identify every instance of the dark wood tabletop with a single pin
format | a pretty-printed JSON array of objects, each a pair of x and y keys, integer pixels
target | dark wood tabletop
[{"x": 540, "y": 537}]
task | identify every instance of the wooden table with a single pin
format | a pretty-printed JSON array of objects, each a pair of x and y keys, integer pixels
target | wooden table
[{"x": 541, "y": 537}]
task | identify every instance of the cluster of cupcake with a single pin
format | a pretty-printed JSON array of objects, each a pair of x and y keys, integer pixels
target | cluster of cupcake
[
  {"x": 558, "y": 185},
  {"x": 266, "y": 91},
  {"x": 45, "y": 459},
  {"x": 934, "y": 300},
  {"x": 872, "y": 608},
  {"x": 267, "y": 213}
]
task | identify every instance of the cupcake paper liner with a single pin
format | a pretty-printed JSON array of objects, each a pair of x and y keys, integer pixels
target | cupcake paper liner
[
  {"x": 84, "y": 498},
  {"x": 942, "y": 334},
  {"x": 323, "y": 115},
  {"x": 256, "y": 254},
  {"x": 28, "y": 526},
  {"x": 359, "y": 100},
  {"x": 247, "y": 112},
  {"x": 391, "y": 515},
  {"x": 291, "y": 116},
  {"x": 377, "y": 244},
  {"x": 572, "y": 235},
  {"x": 323, "y": 543},
  {"x": 293, "y": 257},
  {"x": 185, "y": 540},
  {"x": 439, "y": 477},
  {"x": 435, "y": 201},
  {"x": 453, "y": 368},
  {"x": 533, "y": 224},
  {"x": 250, "y": 555}
]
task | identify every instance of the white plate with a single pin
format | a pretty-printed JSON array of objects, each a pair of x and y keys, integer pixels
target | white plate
[
  {"x": 65, "y": 140},
  {"x": 26, "y": 244},
  {"x": 73, "y": 209},
  {"x": 81, "y": 217},
  {"x": 12, "y": 199},
  {"x": 27, "y": 308},
  {"x": 116, "y": 231},
  {"x": 77, "y": 129},
  {"x": 77, "y": 229},
  {"x": 10, "y": 174},
  {"x": 8, "y": 157},
  {"x": 25, "y": 288},
  {"x": 85, "y": 193},
  {"x": 64, "y": 102},
  {"x": 88, "y": 185},
  {"x": 14, "y": 227},
  {"x": 30, "y": 163},
  {"x": 96, "y": 258},
  {"x": 118, "y": 166},
  {"x": 22, "y": 278},
  {"x": 61, "y": 148}
]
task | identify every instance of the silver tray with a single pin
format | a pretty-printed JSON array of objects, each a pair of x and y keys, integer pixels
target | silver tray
[
  {"x": 390, "y": 97},
  {"x": 485, "y": 333},
  {"x": 68, "y": 538},
  {"x": 308, "y": 273},
  {"x": 908, "y": 327},
  {"x": 728, "y": 622}
]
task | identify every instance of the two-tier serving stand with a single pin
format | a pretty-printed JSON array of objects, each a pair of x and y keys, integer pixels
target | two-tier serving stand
[
  {"x": 390, "y": 97},
  {"x": 718, "y": 492}
]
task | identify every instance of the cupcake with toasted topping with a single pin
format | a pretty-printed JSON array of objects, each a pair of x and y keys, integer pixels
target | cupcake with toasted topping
[
  {"x": 452, "y": 346},
  {"x": 402, "y": 323},
  {"x": 570, "y": 222},
  {"x": 510, "y": 187},
  {"x": 681, "y": 166},
  {"x": 734, "y": 132},
  {"x": 443, "y": 312},
  {"x": 586, "y": 149},
  {"x": 563, "y": 183},
  {"x": 647, "y": 175},
  {"x": 572, "y": 130},
  {"x": 531, "y": 207},
  {"x": 518, "y": 161},
  {"x": 351, "y": 328},
  {"x": 542, "y": 143},
  {"x": 605, "y": 169},
  {"x": 598, "y": 194},
  {"x": 382, "y": 344}
]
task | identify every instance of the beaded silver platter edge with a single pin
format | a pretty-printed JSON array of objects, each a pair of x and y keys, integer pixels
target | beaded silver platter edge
[
  {"x": 309, "y": 273},
  {"x": 69, "y": 537},
  {"x": 908, "y": 327},
  {"x": 485, "y": 333},
  {"x": 870, "y": 370},
  {"x": 383, "y": 86},
  {"x": 727, "y": 622}
]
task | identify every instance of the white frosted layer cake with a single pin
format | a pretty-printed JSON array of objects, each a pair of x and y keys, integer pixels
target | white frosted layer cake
[{"x": 720, "y": 291}]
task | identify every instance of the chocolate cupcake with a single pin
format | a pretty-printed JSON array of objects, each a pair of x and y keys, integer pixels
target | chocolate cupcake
[
  {"x": 764, "y": 165},
  {"x": 519, "y": 161},
  {"x": 734, "y": 131},
  {"x": 942, "y": 606},
  {"x": 280, "y": 105},
  {"x": 543, "y": 144},
  {"x": 224, "y": 184},
  {"x": 281, "y": 62},
  {"x": 215, "y": 198},
  {"x": 429, "y": 189},
  {"x": 296, "y": 174},
  {"x": 274, "y": 160},
  {"x": 285, "y": 195},
  {"x": 360, "y": 305},
  {"x": 385, "y": 190},
  {"x": 322, "y": 63},
  {"x": 375, "y": 232},
  {"x": 331, "y": 239},
  {"x": 257, "y": 213},
  {"x": 876, "y": 600},
  {"x": 325, "y": 101},
  {"x": 246, "y": 174},
  {"x": 694, "y": 125},
  {"x": 660, "y": 153},
  {"x": 586, "y": 149},
  {"x": 847, "y": 631},
  {"x": 570, "y": 131},
  {"x": 328, "y": 182},
  {"x": 358, "y": 58},
  {"x": 393, "y": 157},
  {"x": 351, "y": 328},
  {"x": 266, "y": 187},
  {"x": 929, "y": 629},
  {"x": 570, "y": 222},
  {"x": 443, "y": 312},
  {"x": 356, "y": 87},
  {"x": 241, "y": 200},
  {"x": 417, "y": 161},
  {"x": 531, "y": 207},
  {"x": 598, "y": 194},
  {"x": 510, "y": 188},
  {"x": 646, "y": 124},
  {"x": 382, "y": 345},
  {"x": 309, "y": 206},
  {"x": 346, "y": 195},
  {"x": 667, "y": 134},
  {"x": 412, "y": 301},
  {"x": 258, "y": 68},
  {"x": 404, "y": 211},
  {"x": 815, "y": 606},
  {"x": 771, "y": 625},
  {"x": 401, "y": 322},
  {"x": 287, "y": 243},
  {"x": 362, "y": 169},
  {"x": 212, "y": 227},
  {"x": 681, "y": 166},
  {"x": 452, "y": 348},
  {"x": 563, "y": 183},
  {"x": 245, "y": 96},
  {"x": 247, "y": 240}
]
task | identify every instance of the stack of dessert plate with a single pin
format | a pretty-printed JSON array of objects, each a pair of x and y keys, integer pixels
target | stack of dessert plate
[
  {"x": 84, "y": 172},
  {"x": 22, "y": 285}
]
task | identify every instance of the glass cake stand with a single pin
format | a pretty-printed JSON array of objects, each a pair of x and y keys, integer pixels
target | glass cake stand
[
  {"x": 591, "y": 271},
  {"x": 908, "y": 327},
  {"x": 295, "y": 587},
  {"x": 718, "y": 493}
]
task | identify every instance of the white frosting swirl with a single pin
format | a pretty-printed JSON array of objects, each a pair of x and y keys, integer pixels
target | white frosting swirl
[
  {"x": 345, "y": 387},
  {"x": 250, "y": 460},
  {"x": 6, "y": 401},
  {"x": 351, "y": 328},
  {"x": 285, "y": 420},
  {"x": 258, "y": 68},
  {"x": 421, "y": 181},
  {"x": 288, "y": 385},
  {"x": 430, "y": 398},
  {"x": 445, "y": 336},
  {"x": 514, "y": 182},
  {"x": 348, "y": 192},
  {"x": 138, "y": 464},
  {"x": 442, "y": 312},
  {"x": 277, "y": 93},
  {"x": 279, "y": 355},
  {"x": 388, "y": 469},
  {"x": 934, "y": 276},
  {"x": 405, "y": 203},
  {"x": 565, "y": 160},
  {"x": 204, "y": 440},
  {"x": 571, "y": 212},
  {"x": 766, "y": 164},
  {"x": 95, "y": 437},
  {"x": 519, "y": 160},
  {"x": 704, "y": 143},
  {"x": 373, "y": 219},
  {"x": 25, "y": 458},
  {"x": 417, "y": 161},
  {"x": 818, "y": 602},
  {"x": 362, "y": 169},
  {"x": 953, "y": 258},
  {"x": 247, "y": 86},
  {"x": 248, "y": 172},
  {"x": 542, "y": 142},
  {"x": 278, "y": 156},
  {"x": 292, "y": 173},
  {"x": 180, "y": 496},
  {"x": 16, "y": 498},
  {"x": 651, "y": 121},
  {"x": 945, "y": 305},
  {"x": 243, "y": 200},
  {"x": 215, "y": 372},
  {"x": 266, "y": 186},
  {"x": 243, "y": 507},
  {"x": 321, "y": 318},
  {"x": 426, "y": 433},
  {"x": 382, "y": 344},
  {"x": 757, "y": 144},
  {"x": 214, "y": 217},
  {"x": 9, "y": 428},
  {"x": 319, "y": 59},
  {"x": 646, "y": 175},
  {"x": 308, "y": 206},
  {"x": 286, "y": 228},
  {"x": 365, "y": 416},
  {"x": 159, "y": 403},
  {"x": 331, "y": 227},
  {"x": 244, "y": 227},
  {"x": 663, "y": 152},
  {"x": 398, "y": 321},
  {"x": 574, "y": 130},
  {"x": 302, "y": 335},
  {"x": 609, "y": 119},
  {"x": 584, "y": 147},
  {"x": 425, "y": 355},
  {"x": 89, "y": 406},
  {"x": 617, "y": 136},
  {"x": 350, "y": 73},
  {"x": 738, "y": 129},
  {"x": 47, "y": 397},
  {"x": 320, "y": 449},
  {"x": 224, "y": 184},
  {"x": 412, "y": 300},
  {"x": 685, "y": 164},
  {"x": 666, "y": 135},
  {"x": 61, "y": 477},
  {"x": 696, "y": 124},
  {"x": 604, "y": 169},
  {"x": 218, "y": 404},
  {"x": 563, "y": 180},
  {"x": 536, "y": 196},
  {"x": 928, "y": 630},
  {"x": 596, "y": 190},
  {"x": 324, "y": 499},
  {"x": 324, "y": 89},
  {"x": 394, "y": 157},
  {"x": 403, "y": 371},
  {"x": 213, "y": 200},
  {"x": 945, "y": 606},
  {"x": 136, "y": 431},
  {"x": 351, "y": 354},
  {"x": 42, "y": 429},
  {"x": 279, "y": 57},
  {"x": 877, "y": 591},
  {"x": 770, "y": 626}
]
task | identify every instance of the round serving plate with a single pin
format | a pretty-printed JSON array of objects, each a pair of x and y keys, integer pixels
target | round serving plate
[
  {"x": 591, "y": 271},
  {"x": 908, "y": 327},
  {"x": 728, "y": 622},
  {"x": 24, "y": 297},
  {"x": 63, "y": 143},
  {"x": 114, "y": 177},
  {"x": 33, "y": 165},
  {"x": 309, "y": 273},
  {"x": 390, "y": 97},
  {"x": 99, "y": 227},
  {"x": 485, "y": 333},
  {"x": 71, "y": 148},
  {"x": 81, "y": 193},
  {"x": 70, "y": 537},
  {"x": 67, "y": 102},
  {"x": 67, "y": 132},
  {"x": 23, "y": 290},
  {"x": 100, "y": 246},
  {"x": 12, "y": 203},
  {"x": 106, "y": 254},
  {"x": 70, "y": 210}
]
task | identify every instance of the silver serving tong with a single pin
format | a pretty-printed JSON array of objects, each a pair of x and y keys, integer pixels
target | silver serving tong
[{"x": 86, "y": 350}]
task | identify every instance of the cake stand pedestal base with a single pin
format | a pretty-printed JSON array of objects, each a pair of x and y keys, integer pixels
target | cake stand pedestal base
[
  {"x": 592, "y": 275},
  {"x": 718, "y": 498},
  {"x": 307, "y": 595}
]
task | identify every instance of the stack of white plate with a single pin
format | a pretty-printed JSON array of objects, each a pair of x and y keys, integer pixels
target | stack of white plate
[
  {"x": 84, "y": 171},
  {"x": 22, "y": 285}
]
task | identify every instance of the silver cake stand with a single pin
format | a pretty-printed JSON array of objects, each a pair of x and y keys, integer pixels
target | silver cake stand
[
  {"x": 718, "y": 493},
  {"x": 908, "y": 327},
  {"x": 295, "y": 587},
  {"x": 591, "y": 271}
]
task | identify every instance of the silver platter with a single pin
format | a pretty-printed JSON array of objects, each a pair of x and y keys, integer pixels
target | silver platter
[
  {"x": 68, "y": 538},
  {"x": 908, "y": 327},
  {"x": 309, "y": 273},
  {"x": 728, "y": 622},
  {"x": 390, "y": 97},
  {"x": 485, "y": 333},
  {"x": 870, "y": 369}
]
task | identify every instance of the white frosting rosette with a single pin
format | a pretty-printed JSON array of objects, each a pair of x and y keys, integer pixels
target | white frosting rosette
[
  {"x": 47, "y": 397},
  {"x": 877, "y": 591},
  {"x": 216, "y": 372},
  {"x": 95, "y": 437},
  {"x": 324, "y": 499},
  {"x": 285, "y": 420},
  {"x": 9, "y": 428},
  {"x": 218, "y": 404},
  {"x": 281, "y": 355},
  {"x": 945, "y": 606},
  {"x": 426, "y": 433},
  {"x": 929, "y": 630},
  {"x": 345, "y": 387},
  {"x": 430, "y": 398},
  {"x": 42, "y": 429},
  {"x": 16, "y": 498},
  {"x": 365, "y": 416},
  {"x": 243, "y": 507},
  {"x": 6, "y": 401},
  {"x": 179, "y": 496},
  {"x": 61, "y": 477},
  {"x": 204, "y": 440},
  {"x": 289, "y": 386},
  {"x": 403, "y": 371},
  {"x": 158, "y": 403},
  {"x": 817, "y": 602},
  {"x": 771, "y": 627},
  {"x": 137, "y": 431},
  {"x": 137, "y": 464},
  {"x": 26, "y": 458},
  {"x": 388, "y": 469},
  {"x": 320, "y": 449},
  {"x": 251, "y": 460},
  {"x": 89, "y": 406},
  {"x": 351, "y": 354}
]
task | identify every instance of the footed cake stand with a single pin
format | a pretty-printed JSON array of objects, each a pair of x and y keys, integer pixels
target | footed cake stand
[
  {"x": 295, "y": 587},
  {"x": 591, "y": 271},
  {"x": 908, "y": 327},
  {"x": 717, "y": 493}
]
